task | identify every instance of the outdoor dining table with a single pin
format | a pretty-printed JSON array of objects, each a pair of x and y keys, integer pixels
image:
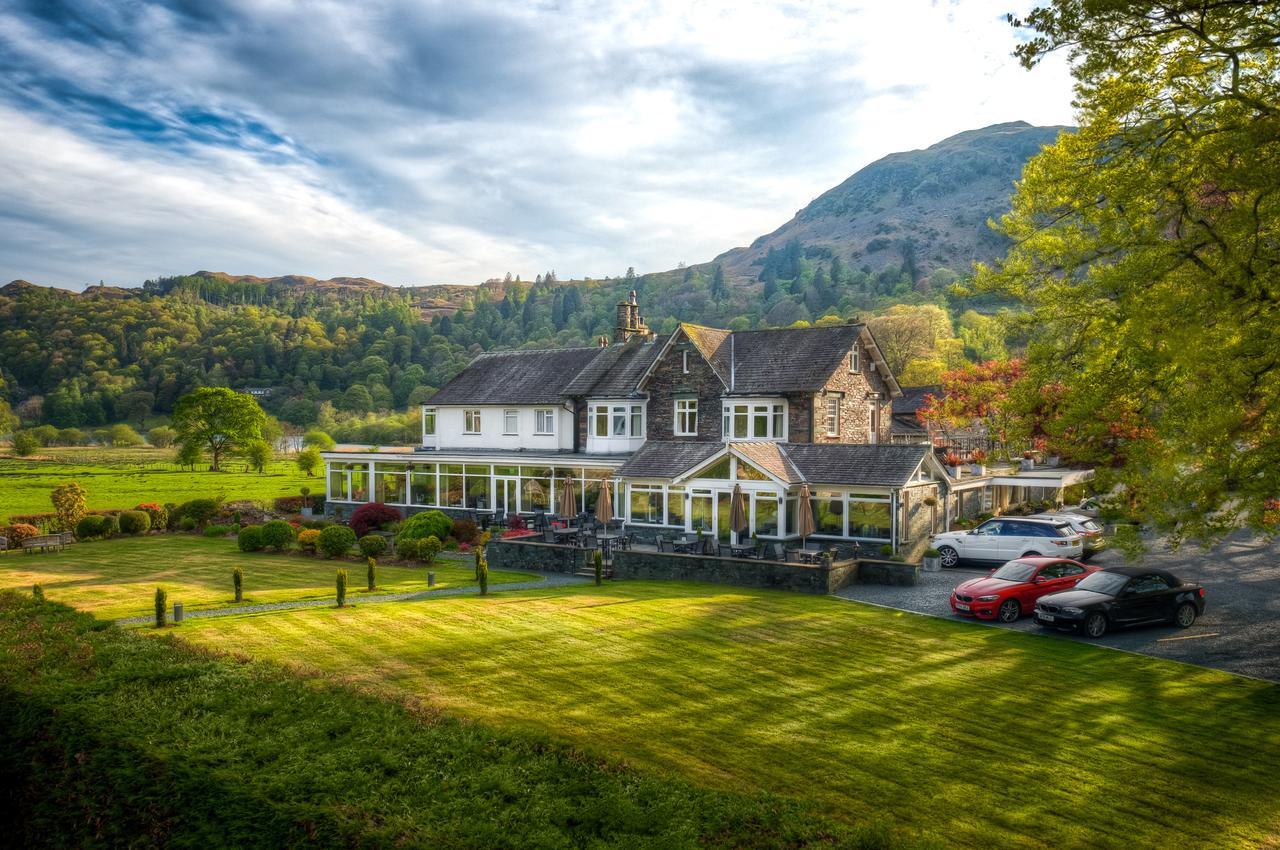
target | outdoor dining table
[
  {"x": 809, "y": 556},
  {"x": 745, "y": 550},
  {"x": 606, "y": 543},
  {"x": 687, "y": 545}
]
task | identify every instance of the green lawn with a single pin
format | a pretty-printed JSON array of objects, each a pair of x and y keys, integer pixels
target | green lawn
[
  {"x": 121, "y": 478},
  {"x": 975, "y": 737},
  {"x": 118, "y": 578}
]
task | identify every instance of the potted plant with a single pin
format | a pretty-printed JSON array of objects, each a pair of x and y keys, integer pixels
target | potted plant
[
  {"x": 977, "y": 462},
  {"x": 953, "y": 462},
  {"x": 305, "y": 510},
  {"x": 932, "y": 560},
  {"x": 1028, "y": 461}
]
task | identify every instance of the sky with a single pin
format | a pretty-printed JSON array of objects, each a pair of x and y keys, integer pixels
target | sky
[{"x": 418, "y": 142}]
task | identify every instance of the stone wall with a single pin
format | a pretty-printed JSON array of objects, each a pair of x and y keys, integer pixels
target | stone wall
[
  {"x": 919, "y": 525},
  {"x": 542, "y": 557},
  {"x": 855, "y": 414},
  {"x": 873, "y": 571},
  {"x": 741, "y": 572},
  {"x": 669, "y": 382}
]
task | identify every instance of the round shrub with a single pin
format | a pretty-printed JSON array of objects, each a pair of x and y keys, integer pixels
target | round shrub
[
  {"x": 199, "y": 511},
  {"x": 423, "y": 525},
  {"x": 407, "y": 550},
  {"x": 308, "y": 539},
  {"x": 250, "y": 539},
  {"x": 186, "y": 524},
  {"x": 336, "y": 540},
  {"x": 464, "y": 530},
  {"x": 277, "y": 534},
  {"x": 372, "y": 517},
  {"x": 134, "y": 522},
  {"x": 110, "y": 525},
  {"x": 428, "y": 549},
  {"x": 89, "y": 527},
  {"x": 158, "y": 513},
  {"x": 372, "y": 546},
  {"x": 19, "y": 532}
]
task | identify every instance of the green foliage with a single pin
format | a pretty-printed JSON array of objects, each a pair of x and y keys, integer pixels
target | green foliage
[
  {"x": 371, "y": 573},
  {"x": 428, "y": 549},
  {"x": 598, "y": 559},
  {"x": 425, "y": 524},
  {"x": 158, "y": 514},
  {"x": 1146, "y": 249},
  {"x": 189, "y": 454},
  {"x": 25, "y": 444},
  {"x": 249, "y": 539},
  {"x": 336, "y": 540},
  {"x": 122, "y": 436},
  {"x": 37, "y": 592},
  {"x": 310, "y": 462},
  {"x": 277, "y": 534},
  {"x": 218, "y": 420},
  {"x": 237, "y": 583},
  {"x": 198, "y": 511},
  {"x": 134, "y": 522},
  {"x": 69, "y": 502},
  {"x": 482, "y": 571},
  {"x": 372, "y": 545},
  {"x": 317, "y": 439},
  {"x": 162, "y": 436},
  {"x": 219, "y": 530},
  {"x": 257, "y": 453},
  {"x": 340, "y": 585},
  {"x": 90, "y": 526},
  {"x": 161, "y": 603}
]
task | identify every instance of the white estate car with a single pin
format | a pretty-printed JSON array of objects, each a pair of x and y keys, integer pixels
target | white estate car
[{"x": 1006, "y": 538}]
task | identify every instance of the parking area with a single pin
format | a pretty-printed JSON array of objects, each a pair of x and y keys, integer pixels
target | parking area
[{"x": 1240, "y": 631}]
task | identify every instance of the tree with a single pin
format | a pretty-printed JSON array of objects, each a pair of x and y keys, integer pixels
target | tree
[
  {"x": 907, "y": 333},
  {"x": 257, "y": 453},
  {"x": 70, "y": 503},
  {"x": 309, "y": 461},
  {"x": 25, "y": 444},
  {"x": 217, "y": 420},
  {"x": 8, "y": 421},
  {"x": 719, "y": 289},
  {"x": 318, "y": 439},
  {"x": 189, "y": 454},
  {"x": 123, "y": 436},
  {"x": 1146, "y": 247},
  {"x": 137, "y": 405},
  {"x": 162, "y": 436}
]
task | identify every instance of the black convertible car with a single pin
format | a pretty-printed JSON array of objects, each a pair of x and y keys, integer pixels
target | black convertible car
[{"x": 1121, "y": 596}]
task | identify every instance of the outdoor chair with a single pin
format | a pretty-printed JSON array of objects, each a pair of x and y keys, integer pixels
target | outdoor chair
[
  {"x": 625, "y": 541},
  {"x": 724, "y": 551},
  {"x": 549, "y": 536},
  {"x": 790, "y": 555},
  {"x": 662, "y": 543}
]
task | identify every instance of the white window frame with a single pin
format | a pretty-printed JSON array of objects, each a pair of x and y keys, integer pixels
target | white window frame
[
  {"x": 855, "y": 362},
  {"x": 873, "y": 422},
  {"x": 684, "y": 362},
  {"x": 428, "y": 416},
  {"x": 634, "y": 420},
  {"x": 774, "y": 413},
  {"x": 686, "y": 411},
  {"x": 510, "y": 422},
  {"x": 833, "y": 416},
  {"x": 472, "y": 421},
  {"x": 544, "y": 421}
]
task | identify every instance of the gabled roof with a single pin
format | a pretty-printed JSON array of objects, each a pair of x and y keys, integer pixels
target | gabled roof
[
  {"x": 616, "y": 370},
  {"x": 869, "y": 465},
  {"x": 667, "y": 459},
  {"x": 769, "y": 457},
  {"x": 516, "y": 377},
  {"x": 713, "y": 345}
]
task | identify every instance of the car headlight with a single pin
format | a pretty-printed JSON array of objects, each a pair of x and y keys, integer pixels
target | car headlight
[
  {"x": 1070, "y": 610},
  {"x": 991, "y": 598}
]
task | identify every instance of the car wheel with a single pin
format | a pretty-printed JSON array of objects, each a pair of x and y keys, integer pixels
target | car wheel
[
  {"x": 1031, "y": 554},
  {"x": 949, "y": 557},
  {"x": 1185, "y": 616},
  {"x": 1095, "y": 625},
  {"x": 1010, "y": 611}
]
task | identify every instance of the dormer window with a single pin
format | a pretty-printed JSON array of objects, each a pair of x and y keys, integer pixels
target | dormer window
[
  {"x": 854, "y": 365},
  {"x": 616, "y": 420}
]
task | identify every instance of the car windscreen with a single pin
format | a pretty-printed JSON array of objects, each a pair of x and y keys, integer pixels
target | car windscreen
[
  {"x": 1103, "y": 582},
  {"x": 1015, "y": 571}
]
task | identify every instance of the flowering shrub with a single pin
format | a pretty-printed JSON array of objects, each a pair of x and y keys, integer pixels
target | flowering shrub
[
  {"x": 43, "y": 522},
  {"x": 158, "y": 513},
  {"x": 517, "y": 532},
  {"x": 18, "y": 532},
  {"x": 308, "y": 539},
  {"x": 372, "y": 517}
]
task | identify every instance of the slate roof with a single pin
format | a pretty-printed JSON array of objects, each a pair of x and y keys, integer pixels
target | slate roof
[
  {"x": 877, "y": 466},
  {"x": 616, "y": 370},
  {"x": 905, "y": 407},
  {"x": 789, "y": 359},
  {"x": 713, "y": 343},
  {"x": 667, "y": 459},
  {"x": 770, "y": 457},
  {"x": 517, "y": 377}
]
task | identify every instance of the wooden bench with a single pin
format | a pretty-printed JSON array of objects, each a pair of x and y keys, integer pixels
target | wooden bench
[{"x": 43, "y": 543}]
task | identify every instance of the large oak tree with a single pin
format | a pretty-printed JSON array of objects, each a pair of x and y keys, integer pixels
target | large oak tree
[
  {"x": 1146, "y": 246},
  {"x": 218, "y": 420}
]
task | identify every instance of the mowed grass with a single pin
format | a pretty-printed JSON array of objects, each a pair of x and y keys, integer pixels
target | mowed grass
[
  {"x": 118, "y": 578},
  {"x": 975, "y": 737},
  {"x": 122, "y": 478}
]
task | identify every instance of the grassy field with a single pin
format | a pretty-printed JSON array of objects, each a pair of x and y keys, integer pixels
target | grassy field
[
  {"x": 115, "y": 739},
  {"x": 118, "y": 578},
  {"x": 975, "y": 737},
  {"x": 121, "y": 478}
]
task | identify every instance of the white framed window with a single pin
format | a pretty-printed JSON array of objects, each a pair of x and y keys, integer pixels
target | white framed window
[
  {"x": 684, "y": 361},
  {"x": 686, "y": 424},
  {"x": 428, "y": 421},
  {"x": 754, "y": 421},
  {"x": 544, "y": 421},
  {"x": 873, "y": 422},
  {"x": 471, "y": 421},
  {"x": 619, "y": 420},
  {"x": 833, "y": 416},
  {"x": 854, "y": 365},
  {"x": 510, "y": 422},
  {"x": 615, "y": 420}
]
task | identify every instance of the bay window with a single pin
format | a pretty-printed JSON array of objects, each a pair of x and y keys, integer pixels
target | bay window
[
  {"x": 616, "y": 420},
  {"x": 754, "y": 421}
]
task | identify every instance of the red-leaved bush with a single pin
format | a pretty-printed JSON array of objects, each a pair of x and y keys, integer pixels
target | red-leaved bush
[
  {"x": 372, "y": 517},
  {"x": 18, "y": 532}
]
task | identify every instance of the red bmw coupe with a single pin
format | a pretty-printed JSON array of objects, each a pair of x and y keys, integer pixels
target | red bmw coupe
[{"x": 1012, "y": 590}]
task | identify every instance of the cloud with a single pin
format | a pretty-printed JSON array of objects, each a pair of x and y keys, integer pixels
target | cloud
[{"x": 448, "y": 142}]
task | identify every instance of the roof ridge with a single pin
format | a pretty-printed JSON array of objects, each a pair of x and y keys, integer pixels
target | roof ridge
[{"x": 809, "y": 328}]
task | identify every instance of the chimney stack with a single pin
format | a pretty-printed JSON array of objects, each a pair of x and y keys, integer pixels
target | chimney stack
[{"x": 630, "y": 322}]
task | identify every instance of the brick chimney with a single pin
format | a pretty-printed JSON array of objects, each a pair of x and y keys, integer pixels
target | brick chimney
[{"x": 630, "y": 322}]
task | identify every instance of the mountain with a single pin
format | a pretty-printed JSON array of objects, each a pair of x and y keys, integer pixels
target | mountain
[{"x": 919, "y": 210}]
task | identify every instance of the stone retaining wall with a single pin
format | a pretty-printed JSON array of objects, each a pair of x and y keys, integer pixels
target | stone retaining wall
[{"x": 872, "y": 571}]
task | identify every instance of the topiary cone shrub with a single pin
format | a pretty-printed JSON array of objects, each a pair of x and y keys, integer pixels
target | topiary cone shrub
[
  {"x": 482, "y": 572},
  {"x": 37, "y": 592},
  {"x": 341, "y": 581},
  {"x": 371, "y": 573},
  {"x": 237, "y": 581},
  {"x": 162, "y": 600},
  {"x": 599, "y": 561}
]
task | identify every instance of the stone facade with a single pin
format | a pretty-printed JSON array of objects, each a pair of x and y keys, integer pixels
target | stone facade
[
  {"x": 918, "y": 521},
  {"x": 668, "y": 381},
  {"x": 855, "y": 412},
  {"x": 872, "y": 571}
]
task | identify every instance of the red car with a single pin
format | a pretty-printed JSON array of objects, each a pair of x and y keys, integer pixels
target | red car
[{"x": 1012, "y": 590}]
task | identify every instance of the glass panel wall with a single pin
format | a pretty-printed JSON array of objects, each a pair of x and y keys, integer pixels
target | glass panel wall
[
  {"x": 647, "y": 504},
  {"x": 828, "y": 513},
  {"x": 338, "y": 482},
  {"x": 676, "y": 506},
  {"x": 766, "y": 507},
  {"x": 422, "y": 485}
]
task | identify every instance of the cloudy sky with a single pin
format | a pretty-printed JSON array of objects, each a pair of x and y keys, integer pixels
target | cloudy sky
[{"x": 420, "y": 142}]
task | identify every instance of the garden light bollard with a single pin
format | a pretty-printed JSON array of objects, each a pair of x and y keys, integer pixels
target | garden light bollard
[
  {"x": 431, "y": 579},
  {"x": 177, "y": 613}
]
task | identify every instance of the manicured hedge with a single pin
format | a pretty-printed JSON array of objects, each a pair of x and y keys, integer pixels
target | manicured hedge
[
  {"x": 91, "y": 526},
  {"x": 372, "y": 546}
]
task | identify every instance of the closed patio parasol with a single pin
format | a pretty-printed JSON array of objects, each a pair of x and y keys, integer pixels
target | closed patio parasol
[
  {"x": 568, "y": 497},
  {"x": 738, "y": 512},
  {"x": 805, "y": 510},
  {"x": 604, "y": 503}
]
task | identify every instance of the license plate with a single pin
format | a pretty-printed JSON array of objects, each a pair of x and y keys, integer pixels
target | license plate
[
  {"x": 960, "y": 606},
  {"x": 1048, "y": 618}
]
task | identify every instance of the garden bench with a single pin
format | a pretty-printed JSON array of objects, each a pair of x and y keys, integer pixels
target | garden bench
[
  {"x": 43, "y": 542},
  {"x": 4, "y": 543}
]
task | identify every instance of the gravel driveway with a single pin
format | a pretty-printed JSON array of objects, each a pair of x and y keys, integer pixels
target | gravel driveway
[{"x": 1239, "y": 632}]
